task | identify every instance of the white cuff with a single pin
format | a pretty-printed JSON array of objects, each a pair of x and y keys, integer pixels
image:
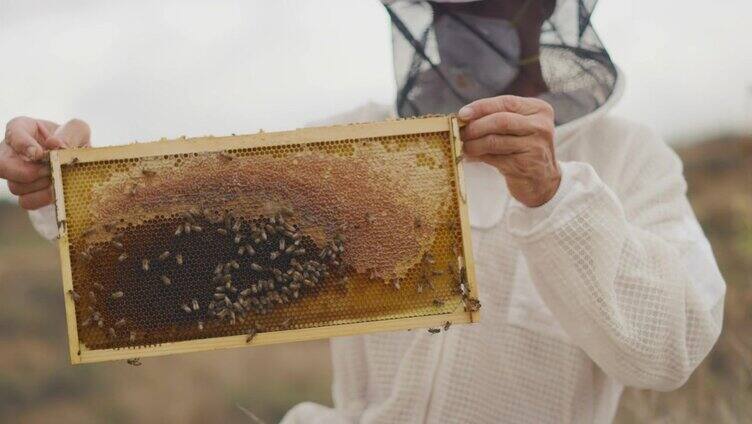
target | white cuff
[
  {"x": 579, "y": 183},
  {"x": 44, "y": 221}
]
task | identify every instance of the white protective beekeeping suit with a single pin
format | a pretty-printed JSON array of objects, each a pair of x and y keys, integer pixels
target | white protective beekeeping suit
[{"x": 610, "y": 284}]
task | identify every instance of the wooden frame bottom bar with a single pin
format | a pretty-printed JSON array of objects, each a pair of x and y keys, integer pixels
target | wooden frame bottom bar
[{"x": 305, "y": 334}]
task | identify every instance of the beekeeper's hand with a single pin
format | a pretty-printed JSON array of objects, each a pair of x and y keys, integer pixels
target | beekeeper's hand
[
  {"x": 22, "y": 150},
  {"x": 516, "y": 136}
]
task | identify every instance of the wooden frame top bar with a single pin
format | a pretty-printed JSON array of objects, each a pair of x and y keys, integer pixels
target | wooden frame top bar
[{"x": 214, "y": 144}]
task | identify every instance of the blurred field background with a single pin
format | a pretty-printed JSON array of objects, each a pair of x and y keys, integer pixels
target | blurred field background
[{"x": 37, "y": 384}]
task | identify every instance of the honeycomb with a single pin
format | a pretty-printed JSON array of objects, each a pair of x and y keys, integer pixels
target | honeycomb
[{"x": 187, "y": 246}]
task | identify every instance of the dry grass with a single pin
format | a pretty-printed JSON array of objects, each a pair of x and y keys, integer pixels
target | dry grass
[{"x": 38, "y": 386}]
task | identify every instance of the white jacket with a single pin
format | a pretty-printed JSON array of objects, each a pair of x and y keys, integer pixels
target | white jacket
[{"x": 611, "y": 283}]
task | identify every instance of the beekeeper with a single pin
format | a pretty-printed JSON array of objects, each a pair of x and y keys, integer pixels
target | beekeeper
[{"x": 592, "y": 269}]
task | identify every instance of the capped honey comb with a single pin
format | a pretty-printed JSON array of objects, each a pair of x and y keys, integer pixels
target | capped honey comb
[{"x": 214, "y": 242}]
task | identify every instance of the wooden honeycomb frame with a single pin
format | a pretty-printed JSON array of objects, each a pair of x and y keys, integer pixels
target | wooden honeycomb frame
[{"x": 448, "y": 126}]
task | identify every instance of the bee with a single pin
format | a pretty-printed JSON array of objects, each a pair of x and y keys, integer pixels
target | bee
[
  {"x": 238, "y": 238},
  {"x": 116, "y": 244},
  {"x": 123, "y": 256},
  {"x": 218, "y": 269},
  {"x": 447, "y": 325},
  {"x": 74, "y": 295},
  {"x": 225, "y": 155},
  {"x": 286, "y": 211},
  {"x": 92, "y": 296},
  {"x": 85, "y": 255},
  {"x": 274, "y": 255},
  {"x": 250, "y": 334},
  {"x": 86, "y": 322},
  {"x": 187, "y": 228},
  {"x": 179, "y": 259},
  {"x": 256, "y": 267},
  {"x": 251, "y": 251},
  {"x": 120, "y": 323},
  {"x": 291, "y": 248},
  {"x": 74, "y": 160},
  {"x": 179, "y": 230},
  {"x": 241, "y": 250},
  {"x": 112, "y": 332},
  {"x": 434, "y": 330},
  {"x": 236, "y": 226},
  {"x": 145, "y": 264},
  {"x": 136, "y": 362},
  {"x": 285, "y": 324},
  {"x": 219, "y": 296},
  {"x": 222, "y": 231},
  {"x": 438, "y": 303},
  {"x": 299, "y": 252},
  {"x": 186, "y": 308},
  {"x": 420, "y": 288},
  {"x": 263, "y": 235},
  {"x": 418, "y": 222},
  {"x": 200, "y": 326},
  {"x": 166, "y": 280},
  {"x": 246, "y": 292},
  {"x": 197, "y": 228},
  {"x": 472, "y": 304},
  {"x": 117, "y": 295},
  {"x": 282, "y": 244},
  {"x": 148, "y": 172},
  {"x": 194, "y": 304},
  {"x": 98, "y": 286},
  {"x": 371, "y": 218},
  {"x": 164, "y": 255},
  {"x": 87, "y": 232},
  {"x": 234, "y": 264},
  {"x": 132, "y": 336}
]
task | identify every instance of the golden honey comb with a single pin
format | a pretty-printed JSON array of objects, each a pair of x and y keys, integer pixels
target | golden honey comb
[{"x": 196, "y": 244}]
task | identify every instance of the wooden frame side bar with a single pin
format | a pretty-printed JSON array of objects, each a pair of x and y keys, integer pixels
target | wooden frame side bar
[
  {"x": 65, "y": 262},
  {"x": 467, "y": 245}
]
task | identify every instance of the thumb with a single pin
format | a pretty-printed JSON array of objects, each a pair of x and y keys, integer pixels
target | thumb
[{"x": 74, "y": 133}]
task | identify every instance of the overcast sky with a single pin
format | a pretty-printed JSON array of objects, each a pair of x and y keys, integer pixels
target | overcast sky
[{"x": 141, "y": 70}]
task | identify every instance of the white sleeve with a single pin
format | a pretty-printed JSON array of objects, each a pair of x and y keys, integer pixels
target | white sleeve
[
  {"x": 349, "y": 387},
  {"x": 44, "y": 220},
  {"x": 633, "y": 281}
]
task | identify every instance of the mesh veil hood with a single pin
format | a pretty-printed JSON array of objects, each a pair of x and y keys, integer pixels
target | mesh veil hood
[{"x": 447, "y": 55}]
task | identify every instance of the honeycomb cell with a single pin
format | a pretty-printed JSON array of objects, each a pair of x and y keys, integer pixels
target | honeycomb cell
[{"x": 179, "y": 247}]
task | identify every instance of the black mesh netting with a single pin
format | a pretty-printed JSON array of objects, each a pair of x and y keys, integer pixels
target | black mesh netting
[{"x": 447, "y": 54}]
